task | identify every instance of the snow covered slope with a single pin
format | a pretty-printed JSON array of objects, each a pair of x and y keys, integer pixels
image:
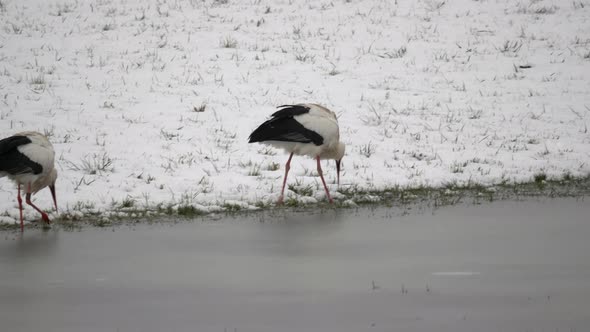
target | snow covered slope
[{"x": 150, "y": 103}]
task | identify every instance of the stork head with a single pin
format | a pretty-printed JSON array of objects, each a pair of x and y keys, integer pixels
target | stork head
[
  {"x": 339, "y": 155},
  {"x": 51, "y": 184}
]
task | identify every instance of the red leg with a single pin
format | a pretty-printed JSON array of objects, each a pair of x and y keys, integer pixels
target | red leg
[
  {"x": 28, "y": 200},
  {"x": 323, "y": 181},
  {"x": 287, "y": 167},
  {"x": 20, "y": 209}
]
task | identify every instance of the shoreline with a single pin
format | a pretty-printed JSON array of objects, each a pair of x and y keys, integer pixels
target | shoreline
[{"x": 403, "y": 198}]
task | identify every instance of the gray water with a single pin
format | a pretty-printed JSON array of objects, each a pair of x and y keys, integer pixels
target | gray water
[{"x": 502, "y": 266}]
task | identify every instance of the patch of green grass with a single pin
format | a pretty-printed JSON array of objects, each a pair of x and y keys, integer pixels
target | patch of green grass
[
  {"x": 254, "y": 170},
  {"x": 232, "y": 207},
  {"x": 540, "y": 179},
  {"x": 102, "y": 223},
  {"x": 128, "y": 202},
  {"x": 200, "y": 109},
  {"x": 228, "y": 42},
  {"x": 38, "y": 80},
  {"x": 189, "y": 211},
  {"x": 395, "y": 54},
  {"x": 349, "y": 190},
  {"x": 367, "y": 149},
  {"x": 167, "y": 210},
  {"x": 83, "y": 206},
  {"x": 292, "y": 202},
  {"x": 9, "y": 227},
  {"x": 108, "y": 27},
  {"x": 302, "y": 190},
  {"x": 365, "y": 199}
]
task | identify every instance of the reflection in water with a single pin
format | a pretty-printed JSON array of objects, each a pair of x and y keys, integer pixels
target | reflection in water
[
  {"x": 298, "y": 234},
  {"x": 23, "y": 256},
  {"x": 30, "y": 245}
]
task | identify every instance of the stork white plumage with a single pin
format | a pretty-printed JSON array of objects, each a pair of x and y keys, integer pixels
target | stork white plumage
[
  {"x": 303, "y": 129},
  {"x": 28, "y": 159}
]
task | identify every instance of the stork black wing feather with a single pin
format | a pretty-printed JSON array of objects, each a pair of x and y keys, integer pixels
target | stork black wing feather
[
  {"x": 10, "y": 143},
  {"x": 13, "y": 161},
  {"x": 290, "y": 111},
  {"x": 283, "y": 127}
]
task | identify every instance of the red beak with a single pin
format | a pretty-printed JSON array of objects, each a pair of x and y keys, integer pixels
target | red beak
[{"x": 52, "y": 188}]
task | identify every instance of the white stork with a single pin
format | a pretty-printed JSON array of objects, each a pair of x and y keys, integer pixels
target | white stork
[
  {"x": 303, "y": 129},
  {"x": 27, "y": 159}
]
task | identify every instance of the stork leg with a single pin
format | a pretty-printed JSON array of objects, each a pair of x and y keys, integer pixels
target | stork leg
[
  {"x": 43, "y": 214},
  {"x": 287, "y": 167},
  {"x": 20, "y": 209},
  {"x": 323, "y": 181}
]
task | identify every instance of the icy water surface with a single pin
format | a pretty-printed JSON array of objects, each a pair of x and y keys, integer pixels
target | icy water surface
[{"x": 502, "y": 266}]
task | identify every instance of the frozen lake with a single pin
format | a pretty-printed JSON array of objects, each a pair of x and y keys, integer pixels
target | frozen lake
[{"x": 501, "y": 266}]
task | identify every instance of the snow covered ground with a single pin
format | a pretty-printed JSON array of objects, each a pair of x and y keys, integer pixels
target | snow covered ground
[{"x": 150, "y": 103}]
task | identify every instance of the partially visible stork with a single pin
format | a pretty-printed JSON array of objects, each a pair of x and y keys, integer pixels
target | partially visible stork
[
  {"x": 303, "y": 129},
  {"x": 27, "y": 158}
]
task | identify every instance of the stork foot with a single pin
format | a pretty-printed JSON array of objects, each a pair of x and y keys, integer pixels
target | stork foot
[{"x": 45, "y": 218}]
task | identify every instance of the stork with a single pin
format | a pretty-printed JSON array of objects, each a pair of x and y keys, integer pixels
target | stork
[
  {"x": 303, "y": 129},
  {"x": 27, "y": 159}
]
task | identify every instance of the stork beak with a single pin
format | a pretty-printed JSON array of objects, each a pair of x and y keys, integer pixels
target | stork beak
[
  {"x": 52, "y": 188},
  {"x": 338, "y": 171}
]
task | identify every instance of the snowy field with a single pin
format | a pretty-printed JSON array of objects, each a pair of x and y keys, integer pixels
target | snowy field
[{"x": 149, "y": 104}]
